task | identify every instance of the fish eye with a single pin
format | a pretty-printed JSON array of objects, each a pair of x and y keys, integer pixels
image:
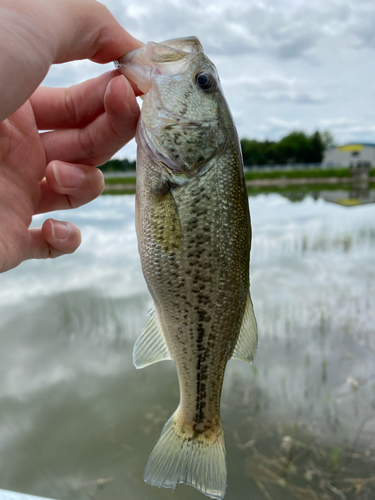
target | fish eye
[{"x": 205, "y": 81}]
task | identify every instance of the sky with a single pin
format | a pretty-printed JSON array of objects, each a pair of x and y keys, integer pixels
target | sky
[{"x": 284, "y": 65}]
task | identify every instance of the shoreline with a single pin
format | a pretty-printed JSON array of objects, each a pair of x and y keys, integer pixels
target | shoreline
[
  {"x": 297, "y": 181},
  {"x": 278, "y": 182}
]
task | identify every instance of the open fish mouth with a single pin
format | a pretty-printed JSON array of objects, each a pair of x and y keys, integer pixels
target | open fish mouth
[
  {"x": 168, "y": 131},
  {"x": 172, "y": 57}
]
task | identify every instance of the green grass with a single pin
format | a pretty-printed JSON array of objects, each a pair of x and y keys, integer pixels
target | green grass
[
  {"x": 304, "y": 188},
  {"x": 120, "y": 191},
  {"x": 295, "y": 193},
  {"x": 304, "y": 174},
  {"x": 277, "y": 174},
  {"x": 120, "y": 180}
]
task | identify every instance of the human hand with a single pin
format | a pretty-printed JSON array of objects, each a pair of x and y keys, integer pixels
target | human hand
[{"x": 87, "y": 123}]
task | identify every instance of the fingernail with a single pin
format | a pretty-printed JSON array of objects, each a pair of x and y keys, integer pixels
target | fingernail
[
  {"x": 67, "y": 176},
  {"x": 132, "y": 101},
  {"x": 60, "y": 230}
]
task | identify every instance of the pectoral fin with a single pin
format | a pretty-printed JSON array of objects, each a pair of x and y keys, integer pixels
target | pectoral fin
[
  {"x": 150, "y": 347},
  {"x": 247, "y": 341}
]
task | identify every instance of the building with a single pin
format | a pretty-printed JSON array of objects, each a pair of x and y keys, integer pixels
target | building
[{"x": 350, "y": 155}]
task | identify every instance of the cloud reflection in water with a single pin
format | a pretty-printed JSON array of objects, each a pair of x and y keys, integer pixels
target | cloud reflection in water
[{"x": 73, "y": 409}]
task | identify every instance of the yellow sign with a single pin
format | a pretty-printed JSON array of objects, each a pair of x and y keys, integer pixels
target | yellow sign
[{"x": 350, "y": 147}]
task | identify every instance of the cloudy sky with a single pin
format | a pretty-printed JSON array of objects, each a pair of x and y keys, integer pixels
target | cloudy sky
[{"x": 284, "y": 64}]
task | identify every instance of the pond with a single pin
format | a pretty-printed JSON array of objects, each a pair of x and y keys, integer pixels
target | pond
[{"x": 78, "y": 421}]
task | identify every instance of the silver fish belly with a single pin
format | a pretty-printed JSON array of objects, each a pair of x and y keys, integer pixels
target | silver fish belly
[{"x": 194, "y": 236}]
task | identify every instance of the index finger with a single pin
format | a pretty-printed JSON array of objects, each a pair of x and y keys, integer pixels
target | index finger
[{"x": 71, "y": 107}]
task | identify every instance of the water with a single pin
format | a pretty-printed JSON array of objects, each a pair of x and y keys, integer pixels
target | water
[{"x": 77, "y": 420}]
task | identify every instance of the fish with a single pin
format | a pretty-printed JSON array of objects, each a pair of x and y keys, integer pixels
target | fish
[{"x": 194, "y": 239}]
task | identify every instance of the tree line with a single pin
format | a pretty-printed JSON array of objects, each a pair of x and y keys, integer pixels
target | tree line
[
  {"x": 116, "y": 165},
  {"x": 296, "y": 147}
]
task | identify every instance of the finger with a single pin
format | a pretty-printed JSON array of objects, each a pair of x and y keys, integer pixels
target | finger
[
  {"x": 69, "y": 186},
  {"x": 74, "y": 106},
  {"x": 88, "y": 30},
  {"x": 101, "y": 139},
  {"x": 53, "y": 239},
  {"x": 40, "y": 33}
]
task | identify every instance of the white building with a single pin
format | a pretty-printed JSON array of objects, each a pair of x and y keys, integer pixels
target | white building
[{"x": 349, "y": 155}]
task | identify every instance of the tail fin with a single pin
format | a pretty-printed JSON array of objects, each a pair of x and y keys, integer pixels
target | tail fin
[{"x": 198, "y": 461}]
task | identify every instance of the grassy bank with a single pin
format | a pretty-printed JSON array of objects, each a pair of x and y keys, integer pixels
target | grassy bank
[
  {"x": 301, "y": 174},
  {"x": 119, "y": 191},
  {"x": 274, "y": 174},
  {"x": 294, "y": 193},
  {"x": 326, "y": 179},
  {"x": 110, "y": 181},
  {"x": 304, "y": 189}
]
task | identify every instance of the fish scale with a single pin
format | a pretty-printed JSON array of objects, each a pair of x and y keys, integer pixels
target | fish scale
[{"x": 194, "y": 236}]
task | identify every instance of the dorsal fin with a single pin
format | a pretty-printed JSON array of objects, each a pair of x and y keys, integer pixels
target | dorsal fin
[
  {"x": 247, "y": 341},
  {"x": 150, "y": 347}
]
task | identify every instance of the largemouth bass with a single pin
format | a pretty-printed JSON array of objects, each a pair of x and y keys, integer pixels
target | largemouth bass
[{"x": 194, "y": 238}]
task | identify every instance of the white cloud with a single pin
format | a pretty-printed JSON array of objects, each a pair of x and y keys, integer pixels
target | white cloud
[
  {"x": 350, "y": 129},
  {"x": 277, "y": 88},
  {"x": 275, "y": 127},
  {"x": 307, "y": 63}
]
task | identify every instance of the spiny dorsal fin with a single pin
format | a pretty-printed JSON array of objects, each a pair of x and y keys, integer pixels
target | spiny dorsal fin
[
  {"x": 247, "y": 341},
  {"x": 150, "y": 347}
]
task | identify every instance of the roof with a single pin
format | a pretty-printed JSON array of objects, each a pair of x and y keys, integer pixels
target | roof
[{"x": 371, "y": 144}]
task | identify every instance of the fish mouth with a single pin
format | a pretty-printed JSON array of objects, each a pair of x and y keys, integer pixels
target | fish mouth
[{"x": 172, "y": 57}]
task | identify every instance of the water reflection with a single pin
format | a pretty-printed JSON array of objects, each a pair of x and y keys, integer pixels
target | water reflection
[
  {"x": 348, "y": 196},
  {"x": 77, "y": 421},
  {"x": 357, "y": 195}
]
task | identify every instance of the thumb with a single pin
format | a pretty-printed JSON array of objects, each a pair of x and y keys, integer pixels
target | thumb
[
  {"x": 43, "y": 32},
  {"x": 87, "y": 30},
  {"x": 53, "y": 239}
]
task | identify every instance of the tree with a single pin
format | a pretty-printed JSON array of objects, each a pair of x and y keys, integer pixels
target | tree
[
  {"x": 115, "y": 165},
  {"x": 296, "y": 147},
  {"x": 293, "y": 148},
  {"x": 257, "y": 152},
  {"x": 316, "y": 148},
  {"x": 328, "y": 139}
]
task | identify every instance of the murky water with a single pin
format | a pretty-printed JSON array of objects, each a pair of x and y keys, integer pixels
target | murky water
[{"x": 77, "y": 420}]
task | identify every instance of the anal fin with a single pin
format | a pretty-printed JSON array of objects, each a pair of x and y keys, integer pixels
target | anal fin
[
  {"x": 150, "y": 347},
  {"x": 247, "y": 341}
]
